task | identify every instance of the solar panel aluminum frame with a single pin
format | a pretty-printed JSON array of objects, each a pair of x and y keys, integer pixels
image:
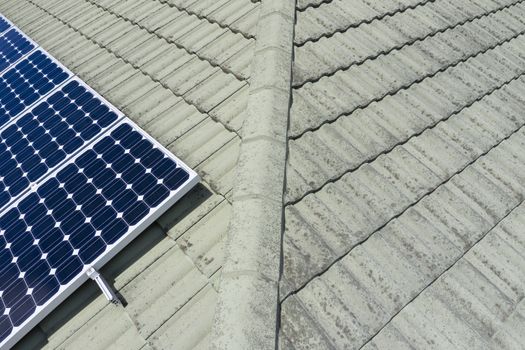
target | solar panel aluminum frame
[{"x": 65, "y": 291}]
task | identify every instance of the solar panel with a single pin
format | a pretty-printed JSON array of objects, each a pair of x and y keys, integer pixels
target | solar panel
[
  {"x": 13, "y": 45},
  {"x": 44, "y": 136},
  {"x": 28, "y": 81},
  {"x": 78, "y": 181}
]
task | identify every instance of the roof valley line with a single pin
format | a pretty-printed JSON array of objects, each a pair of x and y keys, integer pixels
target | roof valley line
[{"x": 247, "y": 309}]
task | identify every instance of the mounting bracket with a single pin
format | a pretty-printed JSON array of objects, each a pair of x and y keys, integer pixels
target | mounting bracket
[{"x": 103, "y": 285}]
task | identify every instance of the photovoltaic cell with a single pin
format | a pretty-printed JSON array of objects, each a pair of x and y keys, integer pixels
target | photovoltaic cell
[
  {"x": 13, "y": 45},
  {"x": 4, "y": 25},
  {"x": 42, "y": 138},
  {"x": 72, "y": 219},
  {"x": 27, "y": 82}
]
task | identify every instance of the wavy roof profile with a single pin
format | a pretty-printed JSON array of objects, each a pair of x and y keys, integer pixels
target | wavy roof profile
[{"x": 362, "y": 165}]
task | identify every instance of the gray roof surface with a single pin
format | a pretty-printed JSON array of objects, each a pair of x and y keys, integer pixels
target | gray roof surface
[
  {"x": 377, "y": 201},
  {"x": 404, "y": 215}
]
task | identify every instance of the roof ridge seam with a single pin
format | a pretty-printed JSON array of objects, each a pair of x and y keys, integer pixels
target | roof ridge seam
[{"x": 247, "y": 312}]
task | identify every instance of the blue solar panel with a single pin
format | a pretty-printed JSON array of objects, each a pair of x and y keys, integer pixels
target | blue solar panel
[
  {"x": 4, "y": 24},
  {"x": 13, "y": 45},
  {"x": 27, "y": 82},
  {"x": 72, "y": 219},
  {"x": 43, "y": 137},
  {"x": 78, "y": 181}
]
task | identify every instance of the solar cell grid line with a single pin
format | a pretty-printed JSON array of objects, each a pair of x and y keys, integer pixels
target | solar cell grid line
[
  {"x": 80, "y": 216},
  {"x": 45, "y": 135},
  {"x": 27, "y": 82},
  {"x": 13, "y": 46}
]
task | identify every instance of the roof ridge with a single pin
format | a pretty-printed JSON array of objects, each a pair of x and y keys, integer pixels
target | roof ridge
[{"x": 247, "y": 313}]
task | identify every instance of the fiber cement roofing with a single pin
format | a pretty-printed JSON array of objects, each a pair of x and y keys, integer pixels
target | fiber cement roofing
[{"x": 393, "y": 187}]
